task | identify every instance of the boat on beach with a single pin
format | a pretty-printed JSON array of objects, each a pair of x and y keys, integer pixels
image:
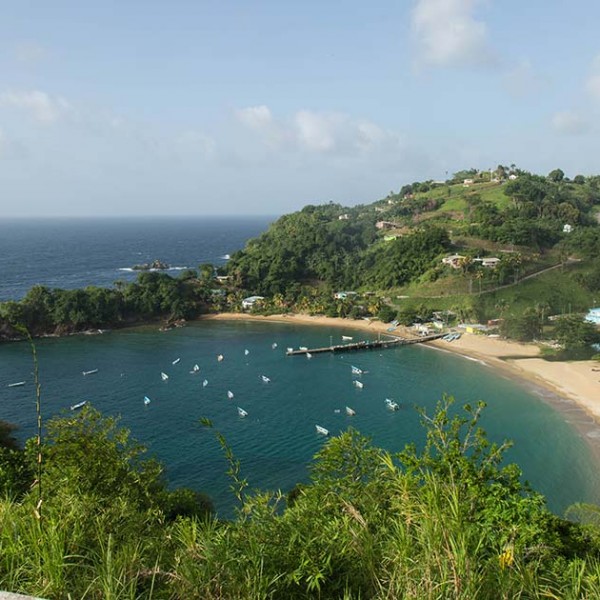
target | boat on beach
[
  {"x": 16, "y": 384},
  {"x": 242, "y": 412},
  {"x": 350, "y": 411},
  {"x": 89, "y": 372},
  {"x": 163, "y": 376},
  {"x": 79, "y": 405},
  {"x": 322, "y": 430}
]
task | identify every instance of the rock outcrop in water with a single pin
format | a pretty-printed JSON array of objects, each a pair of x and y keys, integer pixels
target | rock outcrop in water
[{"x": 155, "y": 264}]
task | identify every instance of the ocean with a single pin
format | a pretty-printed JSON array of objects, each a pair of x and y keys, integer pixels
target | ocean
[
  {"x": 277, "y": 439},
  {"x": 74, "y": 253}
]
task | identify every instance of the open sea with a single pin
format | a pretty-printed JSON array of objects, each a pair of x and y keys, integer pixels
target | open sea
[{"x": 276, "y": 440}]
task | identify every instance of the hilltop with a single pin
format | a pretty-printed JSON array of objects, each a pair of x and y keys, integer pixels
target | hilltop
[{"x": 483, "y": 245}]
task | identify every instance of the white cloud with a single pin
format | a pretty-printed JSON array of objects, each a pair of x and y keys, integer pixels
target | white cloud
[
  {"x": 255, "y": 117},
  {"x": 196, "y": 142},
  {"x": 41, "y": 106},
  {"x": 569, "y": 122},
  {"x": 447, "y": 33},
  {"x": 316, "y": 132}
]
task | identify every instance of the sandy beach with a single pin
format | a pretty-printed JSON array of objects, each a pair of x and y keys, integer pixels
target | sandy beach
[{"x": 568, "y": 385}]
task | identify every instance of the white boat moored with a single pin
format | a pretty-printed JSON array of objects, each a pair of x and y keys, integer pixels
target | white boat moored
[
  {"x": 308, "y": 355},
  {"x": 205, "y": 383},
  {"x": 265, "y": 378},
  {"x": 78, "y": 405},
  {"x": 274, "y": 345},
  {"x": 358, "y": 384},
  {"x": 322, "y": 430},
  {"x": 195, "y": 369},
  {"x": 229, "y": 394},
  {"x": 89, "y": 372},
  {"x": 391, "y": 404},
  {"x": 350, "y": 411},
  {"x": 17, "y": 384},
  {"x": 242, "y": 412},
  {"x": 347, "y": 337},
  {"x": 220, "y": 357},
  {"x": 163, "y": 376},
  {"x": 146, "y": 400}
]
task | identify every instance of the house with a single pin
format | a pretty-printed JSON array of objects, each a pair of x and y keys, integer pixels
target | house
[
  {"x": 473, "y": 327},
  {"x": 251, "y": 301},
  {"x": 344, "y": 217},
  {"x": 385, "y": 225},
  {"x": 567, "y": 228},
  {"x": 453, "y": 260},
  {"x": 223, "y": 278},
  {"x": 467, "y": 182},
  {"x": 344, "y": 295},
  {"x": 593, "y": 316},
  {"x": 512, "y": 177},
  {"x": 490, "y": 262}
]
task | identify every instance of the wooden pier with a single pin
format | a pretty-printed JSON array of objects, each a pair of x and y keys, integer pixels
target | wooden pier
[{"x": 378, "y": 344}]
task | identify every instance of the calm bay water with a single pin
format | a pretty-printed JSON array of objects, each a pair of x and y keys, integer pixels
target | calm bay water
[{"x": 277, "y": 439}]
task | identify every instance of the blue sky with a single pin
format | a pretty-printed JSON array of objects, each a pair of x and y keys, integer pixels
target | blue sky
[{"x": 198, "y": 107}]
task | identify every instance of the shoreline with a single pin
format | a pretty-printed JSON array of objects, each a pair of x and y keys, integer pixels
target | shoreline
[{"x": 570, "y": 387}]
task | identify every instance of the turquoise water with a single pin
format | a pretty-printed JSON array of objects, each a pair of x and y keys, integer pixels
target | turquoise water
[{"x": 277, "y": 439}]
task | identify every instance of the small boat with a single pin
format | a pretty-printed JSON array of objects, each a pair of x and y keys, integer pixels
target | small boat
[
  {"x": 229, "y": 394},
  {"x": 303, "y": 348},
  {"x": 274, "y": 345},
  {"x": 265, "y": 378},
  {"x": 146, "y": 400},
  {"x": 220, "y": 357},
  {"x": 89, "y": 372},
  {"x": 391, "y": 404},
  {"x": 17, "y": 384},
  {"x": 175, "y": 361},
  {"x": 356, "y": 371},
  {"x": 226, "y": 257},
  {"x": 205, "y": 383},
  {"x": 322, "y": 430},
  {"x": 347, "y": 337},
  {"x": 290, "y": 350},
  {"x": 308, "y": 355},
  {"x": 337, "y": 411},
  {"x": 246, "y": 352},
  {"x": 195, "y": 369},
  {"x": 358, "y": 384},
  {"x": 242, "y": 412},
  {"x": 163, "y": 376},
  {"x": 78, "y": 405},
  {"x": 350, "y": 411}
]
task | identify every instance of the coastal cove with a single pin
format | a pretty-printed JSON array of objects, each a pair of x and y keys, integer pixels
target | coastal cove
[{"x": 277, "y": 439}]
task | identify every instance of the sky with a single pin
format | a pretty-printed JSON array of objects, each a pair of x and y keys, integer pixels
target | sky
[{"x": 193, "y": 107}]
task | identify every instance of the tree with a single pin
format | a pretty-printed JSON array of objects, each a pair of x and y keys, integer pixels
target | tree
[
  {"x": 573, "y": 332},
  {"x": 557, "y": 175}
]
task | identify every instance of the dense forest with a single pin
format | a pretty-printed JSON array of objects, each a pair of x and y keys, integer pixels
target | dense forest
[{"x": 94, "y": 520}]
